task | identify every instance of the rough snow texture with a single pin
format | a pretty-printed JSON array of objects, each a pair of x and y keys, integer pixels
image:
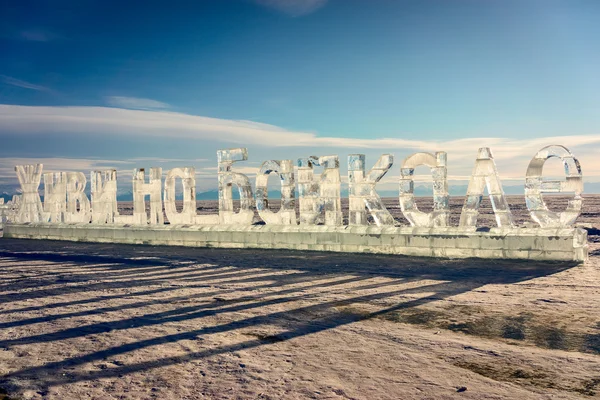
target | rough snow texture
[{"x": 105, "y": 321}]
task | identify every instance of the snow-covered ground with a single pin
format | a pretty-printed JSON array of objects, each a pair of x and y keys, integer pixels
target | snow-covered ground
[{"x": 99, "y": 321}]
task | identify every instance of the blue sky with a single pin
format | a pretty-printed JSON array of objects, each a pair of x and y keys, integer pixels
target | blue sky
[{"x": 92, "y": 84}]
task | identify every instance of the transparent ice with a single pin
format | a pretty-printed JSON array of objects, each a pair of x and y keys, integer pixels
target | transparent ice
[
  {"x": 30, "y": 209},
  {"x": 320, "y": 200},
  {"x": 362, "y": 191},
  {"x": 141, "y": 189},
  {"x": 188, "y": 182},
  {"x": 104, "y": 196},
  {"x": 286, "y": 215},
  {"x": 228, "y": 178},
  {"x": 535, "y": 186},
  {"x": 55, "y": 196},
  {"x": 441, "y": 211},
  {"x": 78, "y": 204},
  {"x": 485, "y": 175}
]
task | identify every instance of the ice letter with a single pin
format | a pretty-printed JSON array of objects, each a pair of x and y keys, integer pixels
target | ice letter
[
  {"x": 485, "y": 175},
  {"x": 287, "y": 212},
  {"x": 188, "y": 181},
  {"x": 441, "y": 210},
  {"x": 362, "y": 190},
  {"x": 10, "y": 209},
  {"x": 31, "y": 209},
  {"x": 228, "y": 178},
  {"x": 153, "y": 189},
  {"x": 55, "y": 196},
  {"x": 78, "y": 204},
  {"x": 318, "y": 196},
  {"x": 535, "y": 186},
  {"x": 104, "y": 196}
]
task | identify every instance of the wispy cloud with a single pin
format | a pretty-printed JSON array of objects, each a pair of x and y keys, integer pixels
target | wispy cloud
[
  {"x": 37, "y": 35},
  {"x": 135, "y": 103},
  {"x": 7, "y": 165},
  {"x": 512, "y": 154},
  {"x": 294, "y": 8},
  {"x": 9, "y": 80}
]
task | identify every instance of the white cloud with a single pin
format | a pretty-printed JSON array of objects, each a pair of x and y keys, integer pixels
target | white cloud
[
  {"x": 294, "y": 8},
  {"x": 9, "y": 80},
  {"x": 512, "y": 154},
  {"x": 135, "y": 103},
  {"x": 54, "y": 164}
]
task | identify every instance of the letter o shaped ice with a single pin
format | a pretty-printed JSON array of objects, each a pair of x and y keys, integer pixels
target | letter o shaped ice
[
  {"x": 188, "y": 182},
  {"x": 287, "y": 213},
  {"x": 440, "y": 214},
  {"x": 535, "y": 186}
]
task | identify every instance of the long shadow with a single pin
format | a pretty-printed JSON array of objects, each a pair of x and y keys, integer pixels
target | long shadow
[
  {"x": 298, "y": 279},
  {"x": 75, "y": 258},
  {"x": 77, "y": 276},
  {"x": 109, "y": 270},
  {"x": 86, "y": 301},
  {"x": 451, "y": 277},
  {"x": 292, "y": 278},
  {"x": 171, "y": 300},
  {"x": 191, "y": 276},
  {"x": 53, "y": 372}
]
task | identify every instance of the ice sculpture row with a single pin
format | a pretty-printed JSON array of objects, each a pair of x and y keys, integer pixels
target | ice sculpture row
[{"x": 319, "y": 198}]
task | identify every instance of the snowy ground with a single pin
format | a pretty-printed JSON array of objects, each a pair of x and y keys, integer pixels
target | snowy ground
[{"x": 98, "y": 321}]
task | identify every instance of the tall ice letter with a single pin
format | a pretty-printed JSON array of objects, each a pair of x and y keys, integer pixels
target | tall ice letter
[
  {"x": 287, "y": 212},
  {"x": 31, "y": 209},
  {"x": 188, "y": 181},
  {"x": 55, "y": 196},
  {"x": 153, "y": 189},
  {"x": 104, "y": 196},
  {"x": 320, "y": 198},
  {"x": 535, "y": 186},
  {"x": 485, "y": 175},
  {"x": 362, "y": 191},
  {"x": 78, "y": 204},
  {"x": 441, "y": 210},
  {"x": 228, "y": 178}
]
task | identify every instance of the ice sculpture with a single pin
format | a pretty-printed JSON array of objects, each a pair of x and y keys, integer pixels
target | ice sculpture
[
  {"x": 228, "y": 178},
  {"x": 55, "y": 196},
  {"x": 104, "y": 196},
  {"x": 9, "y": 210},
  {"x": 362, "y": 191},
  {"x": 320, "y": 201},
  {"x": 441, "y": 209},
  {"x": 535, "y": 185},
  {"x": 286, "y": 215},
  {"x": 188, "y": 181},
  {"x": 31, "y": 209},
  {"x": 141, "y": 189},
  {"x": 485, "y": 176},
  {"x": 4, "y": 210},
  {"x": 78, "y": 204}
]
